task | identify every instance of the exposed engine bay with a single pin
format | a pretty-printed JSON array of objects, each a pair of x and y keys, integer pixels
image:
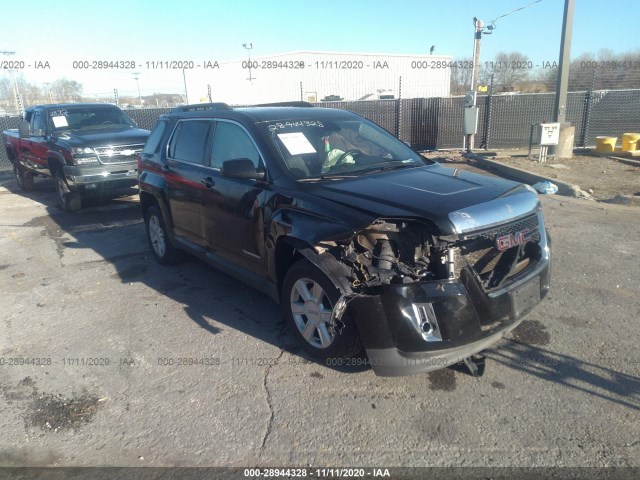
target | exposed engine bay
[
  {"x": 392, "y": 252},
  {"x": 398, "y": 251}
]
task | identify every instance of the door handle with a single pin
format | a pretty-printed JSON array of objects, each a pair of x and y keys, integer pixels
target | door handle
[{"x": 207, "y": 181}]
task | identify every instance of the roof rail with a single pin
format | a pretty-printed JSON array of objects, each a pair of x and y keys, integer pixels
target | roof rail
[
  {"x": 286, "y": 104},
  {"x": 195, "y": 107}
]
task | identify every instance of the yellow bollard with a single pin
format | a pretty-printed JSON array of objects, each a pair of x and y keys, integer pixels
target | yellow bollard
[
  {"x": 630, "y": 141},
  {"x": 606, "y": 144}
]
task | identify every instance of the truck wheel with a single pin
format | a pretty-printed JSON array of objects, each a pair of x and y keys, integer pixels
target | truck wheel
[
  {"x": 24, "y": 178},
  {"x": 68, "y": 200},
  {"x": 308, "y": 298},
  {"x": 161, "y": 247}
]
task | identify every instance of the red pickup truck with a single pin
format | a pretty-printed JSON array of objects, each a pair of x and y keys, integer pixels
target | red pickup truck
[{"x": 86, "y": 148}]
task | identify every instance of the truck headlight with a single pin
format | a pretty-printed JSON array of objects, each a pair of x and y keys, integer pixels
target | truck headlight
[{"x": 84, "y": 156}]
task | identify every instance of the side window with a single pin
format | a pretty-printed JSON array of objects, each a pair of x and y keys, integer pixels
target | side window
[
  {"x": 36, "y": 122},
  {"x": 153, "y": 142},
  {"x": 230, "y": 142},
  {"x": 189, "y": 141}
]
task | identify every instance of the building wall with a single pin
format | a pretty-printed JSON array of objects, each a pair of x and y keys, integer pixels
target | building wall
[{"x": 314, "y": 75}]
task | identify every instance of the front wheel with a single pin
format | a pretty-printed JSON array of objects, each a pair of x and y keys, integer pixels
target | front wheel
[
  {"x": 163, "y": 250},
  {"x": 308, "y": 300},
  {"x": 67, "y": 199},
  {"x": 23, "y": 178}
]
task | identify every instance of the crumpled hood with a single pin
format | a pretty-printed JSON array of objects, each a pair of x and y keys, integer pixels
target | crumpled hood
[{"x": 455, "y": 200}]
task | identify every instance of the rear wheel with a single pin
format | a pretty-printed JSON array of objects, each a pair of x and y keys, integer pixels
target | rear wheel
[
  {"x": 24, "y": 178},
  {"x": 68, "y": 200},
  {"x": 161, "y": 247},
  {"x": 308, "y": 300}
]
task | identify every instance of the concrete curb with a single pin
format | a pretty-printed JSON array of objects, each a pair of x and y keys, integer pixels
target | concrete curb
[
  {"x": 513, "y": 173},
  {"x": 628, "y": 161}
]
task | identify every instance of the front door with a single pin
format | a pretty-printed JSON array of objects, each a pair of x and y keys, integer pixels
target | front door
[{"x": 233, "y": 215}]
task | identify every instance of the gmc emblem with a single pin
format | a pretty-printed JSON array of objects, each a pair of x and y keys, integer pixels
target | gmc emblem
[{"x": 505, "y": 242}]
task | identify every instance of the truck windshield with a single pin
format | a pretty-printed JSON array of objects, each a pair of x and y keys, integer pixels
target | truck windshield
[
  {"x": 314, "y": 149},
  {"x": 87, "y": 118}
]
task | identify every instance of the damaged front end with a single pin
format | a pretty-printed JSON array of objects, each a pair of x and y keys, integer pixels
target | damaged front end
[{"x": 424, "y": 301}]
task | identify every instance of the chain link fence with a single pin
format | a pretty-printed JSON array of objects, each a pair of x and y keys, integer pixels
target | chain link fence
[{"x": 436, "y": 123}]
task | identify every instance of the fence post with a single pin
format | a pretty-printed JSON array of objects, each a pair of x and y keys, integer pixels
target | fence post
[
  {"x": 587, "y": 112},
  {"x": 487, "y": 116},
  {"x": 399, "y": 109}
]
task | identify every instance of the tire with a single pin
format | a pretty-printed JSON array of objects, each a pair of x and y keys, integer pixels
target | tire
[
  {"x": 69, "y": 201},
  {"x": 308, "y": 297},
  {"x": 162, "y": 249},
  {"x": 23, "y": 178}
]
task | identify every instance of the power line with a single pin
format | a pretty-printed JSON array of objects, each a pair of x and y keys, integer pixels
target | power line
[{"x": 513, "y": 11}]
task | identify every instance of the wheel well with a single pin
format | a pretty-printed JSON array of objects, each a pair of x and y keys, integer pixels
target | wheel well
[
  {"x": 147, "y": 200},
  {"x": 286, "y": 255},
  {"x": 54, "y": 165},
  {"x": 11, "y": 155}
]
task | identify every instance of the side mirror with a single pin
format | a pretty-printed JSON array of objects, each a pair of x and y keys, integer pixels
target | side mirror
[
  {"x": 241, "y": 168},
  {"x": 24, "y": 129}
]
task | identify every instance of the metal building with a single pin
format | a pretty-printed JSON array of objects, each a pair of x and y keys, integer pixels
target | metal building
[{"x": 318, "y": 76}]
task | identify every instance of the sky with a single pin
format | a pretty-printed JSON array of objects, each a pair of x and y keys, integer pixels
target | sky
[{"x": 215, "y": 30}]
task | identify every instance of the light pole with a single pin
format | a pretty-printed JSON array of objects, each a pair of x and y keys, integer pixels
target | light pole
[
  {"x": 184, "y": 80},
  {"x": 249, "y": 47},
  {"x": 136, "y": 75},
  {"x": 48, "y": 84}
]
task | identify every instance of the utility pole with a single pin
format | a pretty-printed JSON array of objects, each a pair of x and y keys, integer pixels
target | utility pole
[
  {"x": 564, "y": 149},
  {"x": 471, "y": 108},
  {"x": 560, "y": 106}
]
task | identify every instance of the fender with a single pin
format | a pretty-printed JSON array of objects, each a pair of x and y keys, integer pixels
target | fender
[
  {"x": 337, "y": 272},
  {"x": 156, "y": 187},
  {"x": 308, "y": 227}
]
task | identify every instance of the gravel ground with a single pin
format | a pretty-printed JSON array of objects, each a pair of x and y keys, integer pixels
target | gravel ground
[
  {"x": 602, "y": 177},
  {"x": 108, "y": 327}
]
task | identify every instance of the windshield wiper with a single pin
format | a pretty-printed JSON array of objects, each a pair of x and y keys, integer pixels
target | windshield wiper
[
  {"x": 393, "y": 166},
  {"x": 327, "y": 177}
]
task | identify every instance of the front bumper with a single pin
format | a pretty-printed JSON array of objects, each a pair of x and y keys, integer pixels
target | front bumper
[
  {"x": 101, "y": 177},
  {"x": 467, "y": 319}
]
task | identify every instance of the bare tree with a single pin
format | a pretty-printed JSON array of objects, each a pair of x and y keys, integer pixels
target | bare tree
[
  {"x": 510, "y": 70},
  {"x": 64, "y": 90}
]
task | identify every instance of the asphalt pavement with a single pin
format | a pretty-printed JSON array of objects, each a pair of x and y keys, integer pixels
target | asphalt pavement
[{"x": 109, "y": 359}]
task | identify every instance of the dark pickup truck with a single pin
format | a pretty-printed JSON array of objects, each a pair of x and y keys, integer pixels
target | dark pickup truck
[{"x": 86, "y": 148}]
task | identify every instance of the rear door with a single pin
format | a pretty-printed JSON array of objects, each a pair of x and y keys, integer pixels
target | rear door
[{"x": 187, "y": 164}]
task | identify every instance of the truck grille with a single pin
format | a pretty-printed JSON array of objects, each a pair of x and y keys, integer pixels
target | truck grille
[
  {"x": 495, "y": 267},
  {"x": 118, "y": 153}
]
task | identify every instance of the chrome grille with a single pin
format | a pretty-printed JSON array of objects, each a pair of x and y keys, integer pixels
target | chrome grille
[
  {"x": 118, "y": 153},
  {"x": 530, "y": 222},
  {"x": 494, "y": 267}
]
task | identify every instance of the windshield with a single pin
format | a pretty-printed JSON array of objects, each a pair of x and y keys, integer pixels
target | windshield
[
  {"x": 87, "y": 118},
  {"x": 313, "y": 149}
]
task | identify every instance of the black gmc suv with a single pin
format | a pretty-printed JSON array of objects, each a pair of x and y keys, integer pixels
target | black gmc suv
[{"x": 363, "y": 242}]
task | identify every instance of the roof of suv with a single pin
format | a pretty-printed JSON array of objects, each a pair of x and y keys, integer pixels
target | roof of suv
[{"x": 262, "y": 114}]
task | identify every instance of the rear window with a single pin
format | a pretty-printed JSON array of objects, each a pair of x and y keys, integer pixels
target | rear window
[
  {"x": 153, "y": 142},
  {"x": 189, "y": 141}
]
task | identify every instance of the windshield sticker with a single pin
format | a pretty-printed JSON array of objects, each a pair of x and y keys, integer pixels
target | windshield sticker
[
  {"x": 296, "y": 143},
  {"x": 297, "y": 123},
  {"x": 60, "y": 121},
  {"x": 58, "y": 113}
]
